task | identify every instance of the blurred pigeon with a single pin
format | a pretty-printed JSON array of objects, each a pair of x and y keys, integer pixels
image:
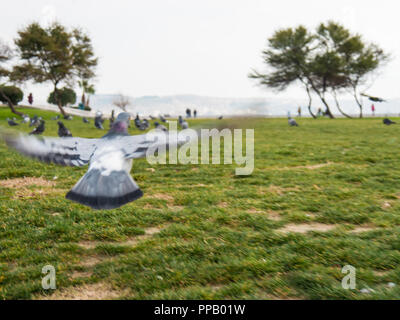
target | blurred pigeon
[
  {"x": 12, "y": 123},
  {"x": 68, "y": 117},
  {"x": 183, "y": 123},
  {"x": 98, "y": 121},
  {"x": 162, "y": 119},
  {"x": 63, "y": 131},
  {"x": 137, "y": 121},
  {"x": 56, "y": 117},
  {"x": 107, "y": 184},
  {"x": 39, "y": 129},
  {"x": 160, "y": 126},
  {"x": 25, "y": 119},
  {"x": 152, "y": 118},
  {"x": 220, "y": 117},
  {"x": 292, "y": 122},
  {"x": 34, "y": 121},
  {"x": 388, "y": 122},
  {"x": 85, "y": 120},
  {"x": 144, "y": 125},
  {"x": 374, "y": 99}
]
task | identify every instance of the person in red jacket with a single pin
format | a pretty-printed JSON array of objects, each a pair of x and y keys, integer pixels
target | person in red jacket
[
  {"x": 373, "y": 109},
  {"x": 30, "y": 98}
]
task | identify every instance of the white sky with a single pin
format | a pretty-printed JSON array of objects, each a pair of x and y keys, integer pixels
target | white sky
[{"x": 204, "y": 47}]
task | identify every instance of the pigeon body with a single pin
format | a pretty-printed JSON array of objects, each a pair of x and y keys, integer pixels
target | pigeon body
[
  {"x": 160, "y": 127},
  {"x": 25, "y": 119},
  {"x": 39, "y": 129},
  {"x": 56, "y": 117},
  {"x": 63, "y": 131},
  {"x": 12, "y": 123},
  {"x": 162, "y": 119},
  {"x": 292, "y": 122},
  {"x": 107, "y": 183},
  {"x": 98, "y": 122},
  {"x": 34, "y": 121},
  {"x": 85, "y": 120},
  {"x": 183, "y": 123},
  {"x": 220, "y": 117},
  {"x": 388, "y": 122}
]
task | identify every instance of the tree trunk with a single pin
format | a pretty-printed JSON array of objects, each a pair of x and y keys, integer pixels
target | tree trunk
[
  {"x": 338, "y": 106},
  {"x": 11, "y": 105},
  {"x": 309, "y": 103},
  {"x": 321, "y": 96},
  {"x": 59, "y": 102},
  {"x": 358, "y": 103}
]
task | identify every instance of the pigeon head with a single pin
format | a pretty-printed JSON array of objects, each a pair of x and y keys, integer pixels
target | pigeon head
[
  {"x": 60, "y": 124},
  {"x": 156, "y": 124},
  {"x": 121, "y": 123}
]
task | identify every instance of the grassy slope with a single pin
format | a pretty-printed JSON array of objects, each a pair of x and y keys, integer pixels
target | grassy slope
[{"x": 218, "y": 238}]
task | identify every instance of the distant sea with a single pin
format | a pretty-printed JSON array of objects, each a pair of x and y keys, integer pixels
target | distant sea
[{"x": 175, "y": 105}]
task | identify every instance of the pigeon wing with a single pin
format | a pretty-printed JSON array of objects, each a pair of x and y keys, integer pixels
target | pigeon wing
[{"x": 62, "y": 151}]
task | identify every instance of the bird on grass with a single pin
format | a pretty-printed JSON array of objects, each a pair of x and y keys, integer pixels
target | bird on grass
[
  {"x": 112, "y": 119},
  {"x": 144, "y": 125},
  {"x": 25, "y": 119},
  {"x": 12, "y": 123},
  {"x": 39, "y": 129},
  {"x": 388, "y": 122},
  {"x": 68, "y": 117},
  {"x": 183, "y": 123},
  {"x": 85, "y": 120},
  {"x": 160, "y": 127},
  {"x": 63, "y": 131},
  {"x": 98, "y": 121},
  {"x": 34, "y": 121},
  {"x": 292, "y": 122},
  {"x": 55, "y": 118},
  {"x": 162, "y": 119},
  {"x": 220, "y": 117},
  {"x": 107, "y": 183}
]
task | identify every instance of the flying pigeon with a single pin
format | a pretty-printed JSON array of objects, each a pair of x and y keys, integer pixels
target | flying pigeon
[
  {"x": 63, "y": 131},
  {"x": 12, "y": 123},
  {"x": 292, "y": 122},
  {"x": 39, "y": 129},
  {"x": 388, "y": 122},
  {"x": 374, "y": 99},
  {"x": 107, "y": 184},
  {"x": 183, "y": 123},
  {"x": 160, "y": 127},
  {"x": 85, "y": 120}
]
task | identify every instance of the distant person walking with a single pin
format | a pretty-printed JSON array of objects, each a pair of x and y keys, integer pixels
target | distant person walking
[
  {"x": 30, "y": 98},
  {"x": 299, "y": 112},
  {"x": 373, "y": 110},
  {"x": 319, "y": 113},
  {"x": 188, "y": 113},
  {"x": 195, "y": 113}
]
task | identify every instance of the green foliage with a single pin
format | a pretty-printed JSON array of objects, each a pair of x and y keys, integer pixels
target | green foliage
[
  {"x": 13, "y": 93},
  {"x": 64, "y": 96},
  {"x": 329, "y": 60}
]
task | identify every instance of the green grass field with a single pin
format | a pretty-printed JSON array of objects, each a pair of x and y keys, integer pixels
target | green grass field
[{"x": 323, "y": 195}]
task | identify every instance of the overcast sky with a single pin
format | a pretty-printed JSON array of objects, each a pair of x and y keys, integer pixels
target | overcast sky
[{"x": 204, "y": 47}]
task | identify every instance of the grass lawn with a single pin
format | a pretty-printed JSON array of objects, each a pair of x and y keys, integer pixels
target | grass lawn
[{"x": 322, "y": 195}]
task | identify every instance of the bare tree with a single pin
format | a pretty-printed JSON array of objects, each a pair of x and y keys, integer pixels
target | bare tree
[{"x": 122, "y": 102}]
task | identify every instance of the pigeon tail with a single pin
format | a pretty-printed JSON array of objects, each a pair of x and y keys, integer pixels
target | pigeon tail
[{"x": 100, "y": 191}]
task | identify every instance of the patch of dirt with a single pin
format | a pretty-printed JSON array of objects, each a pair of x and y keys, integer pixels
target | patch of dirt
[
  {"x": 273, "y": 215},
  {"x": 309, "y": 167},
  {"x": 175, "y": 208},
  {"x": 386, "y": 205},
  {"x": 81, "y": 274},
  {"x": 95, "y": 291},
  {"x": 306, "y": 227},
  {"x": 162, "y": 196},
  {"x": 223, "y": 205},
  {"x": 150, "y": 169},
  {"x": 22, "y": 190},
  {"x": 361, "y": 229},
  {"x": 25, "y": 182},
  {"x": 91, "y": 261},
  {"x": 276, "y": 190}
]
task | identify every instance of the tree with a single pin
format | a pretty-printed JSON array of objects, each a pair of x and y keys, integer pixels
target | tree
[
  {"x": 122, "y": 102},
  {"x": 54, "y": 55},
  {"x": 87, "y": 89},
  {"x": 330, "y": 60},
  {"x": 9, "y": 95},
  {"x": 65, "y": 96},
  {"x": 290, "y": 55}
]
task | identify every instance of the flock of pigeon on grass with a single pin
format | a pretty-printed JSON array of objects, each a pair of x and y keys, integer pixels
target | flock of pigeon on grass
[{"x": 107, "y": 184}]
